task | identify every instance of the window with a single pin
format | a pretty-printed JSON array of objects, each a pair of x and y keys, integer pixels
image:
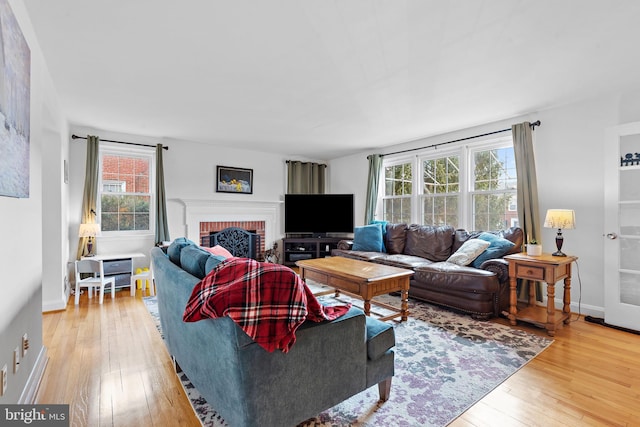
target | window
[
  {"x": 441, "y": 190},
  {"x": 472, "y": 187},
  {"x": 125, "y": 193},
  {"x": 494, "y": 189},
  {"x": 398, "y": 186}
]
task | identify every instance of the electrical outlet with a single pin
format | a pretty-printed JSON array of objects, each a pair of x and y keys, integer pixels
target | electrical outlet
[
  {"x": 3, "y": 380},
  {"x": 16, "y": 359},
  {"x": 25, "y": 345}
]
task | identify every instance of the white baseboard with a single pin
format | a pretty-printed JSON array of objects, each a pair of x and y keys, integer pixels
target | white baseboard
[
  {"x": 55, "y": 305},
  {"x": 30, "y": 391}
]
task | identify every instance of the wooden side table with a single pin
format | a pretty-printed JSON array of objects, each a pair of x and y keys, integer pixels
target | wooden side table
[{"x": 545, "y": 268}]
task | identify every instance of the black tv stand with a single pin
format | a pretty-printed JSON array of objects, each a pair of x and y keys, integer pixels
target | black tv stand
[{"x": 299, "y": 248}]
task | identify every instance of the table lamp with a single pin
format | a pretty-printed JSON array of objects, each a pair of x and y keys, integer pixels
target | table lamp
[
  {"x": 90, "y": 231},
  {"x": 560, "y": 218}
]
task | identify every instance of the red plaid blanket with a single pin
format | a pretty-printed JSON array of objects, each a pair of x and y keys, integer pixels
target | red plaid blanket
[{"x": 268, "y": 301}]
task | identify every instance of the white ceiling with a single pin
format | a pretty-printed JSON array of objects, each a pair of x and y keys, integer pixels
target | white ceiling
[{"x": 322, "y": 79}]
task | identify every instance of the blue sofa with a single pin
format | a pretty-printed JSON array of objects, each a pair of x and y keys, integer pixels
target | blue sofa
[{"x": 248, "y": 386}]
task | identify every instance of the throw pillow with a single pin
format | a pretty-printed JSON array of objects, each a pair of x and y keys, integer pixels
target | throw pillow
[
  {"x": 497, "y": 248},
  {"x": 174, "y": 249},
  {"x": 219, "y": 250},
  {"x": 212, "y": 262},
  {"x": 368, "y": 238},
  {"x": 383, "y": 225},
  {"x": 469, "y": 251},
  {"x": 193, "y": 260}
]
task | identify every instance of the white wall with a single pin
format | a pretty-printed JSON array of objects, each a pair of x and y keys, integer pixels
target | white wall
[
  {"x": 568, "y": 151},
  {"x": 190, "y": 170},
  {"x": 30, "y": 227}
]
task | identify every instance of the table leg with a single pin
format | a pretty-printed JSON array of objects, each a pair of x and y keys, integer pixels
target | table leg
[
  {"x": 566, "y": 299},
  {"x": 532, "y": 292},
  {"x": 367, "y": 307},
  {"x": 404, "y": 298},
  {"x": 513, "y": 300},
  {"x": 551, "y": 309}
]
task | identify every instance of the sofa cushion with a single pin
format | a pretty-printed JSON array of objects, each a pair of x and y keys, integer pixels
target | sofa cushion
[
  {"x": 193, "y": 260},
  {"x": 174, "y": 249},
  {"x": 395, "y": 238},
  {"x": 380, "y": 338},
  {"x": 448, "y": 276},
  {"x": 212, "y": 261},
  {"x": 368, "y": 238},
  {"x": 497, "y": 248},
  {"x": 402, "y": 261},
  {"x": 428, "y": 241},
  {"x": 469, "y": 251}
]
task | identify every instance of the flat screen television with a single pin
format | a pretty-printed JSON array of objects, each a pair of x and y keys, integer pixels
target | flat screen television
[{"x": 318, "y": 214}]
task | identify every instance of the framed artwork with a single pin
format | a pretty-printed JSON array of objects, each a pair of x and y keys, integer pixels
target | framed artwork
[
  {"x": 234, "y": 180},
  {"x": 15, "y": 109}
]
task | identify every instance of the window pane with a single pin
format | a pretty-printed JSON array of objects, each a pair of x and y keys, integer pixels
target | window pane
[
  {"x": 495, "y": 170},
  {"x": 441, "y": 175},
  {"x": 397, "y": 210},
  {"x": 491, "y": 211},
  {"x": 441, "y": 210},
  {"x": 141, "y": 222},
  {"x": 398, "y": 180},
  {"x": 109, "y": 221}
]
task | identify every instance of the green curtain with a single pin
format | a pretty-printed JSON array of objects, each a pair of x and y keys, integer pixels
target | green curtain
[
  {"x": 373, "y": 183},
  {"x": 162, "y": 223},
  {"x": 528, "y": 208},
  {"x": 90, "y": 196},
  {"x": 305, "y": 177}
]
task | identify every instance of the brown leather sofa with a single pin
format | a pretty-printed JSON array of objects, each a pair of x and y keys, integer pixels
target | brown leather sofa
[{"x": 482, "y": 292}]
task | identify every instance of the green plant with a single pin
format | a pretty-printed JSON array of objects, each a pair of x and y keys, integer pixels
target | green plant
[{"x": 533, "y": 242}]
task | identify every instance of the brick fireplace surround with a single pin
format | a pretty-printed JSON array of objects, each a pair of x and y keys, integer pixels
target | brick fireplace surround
[{"x": 250, "y": 215}]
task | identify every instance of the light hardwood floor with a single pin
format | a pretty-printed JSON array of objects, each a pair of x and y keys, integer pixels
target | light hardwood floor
[{"x": 109, "y": 363}]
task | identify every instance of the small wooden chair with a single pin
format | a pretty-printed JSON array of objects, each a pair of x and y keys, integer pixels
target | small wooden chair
[{"x": 97, "y": 278}]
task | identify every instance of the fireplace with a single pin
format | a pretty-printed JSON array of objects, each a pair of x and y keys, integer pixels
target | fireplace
[
  {"x": 203, "y": 217},
  {"x": 209, "y": 228}
]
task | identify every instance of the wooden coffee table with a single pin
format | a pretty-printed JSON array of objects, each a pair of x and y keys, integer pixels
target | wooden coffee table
[{"x": 361, "y": 278}]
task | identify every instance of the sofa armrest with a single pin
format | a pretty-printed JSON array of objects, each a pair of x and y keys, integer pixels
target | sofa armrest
[
  {"x": 345, "y": 245},
  {"x": 499, "y": 266}
]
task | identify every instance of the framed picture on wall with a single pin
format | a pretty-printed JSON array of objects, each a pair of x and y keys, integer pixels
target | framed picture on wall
[
  {"x": 15, "y": 90},
  {"x": 234, "y": 180}
]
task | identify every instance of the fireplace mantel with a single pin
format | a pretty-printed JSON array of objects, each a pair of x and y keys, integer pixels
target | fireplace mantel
[{"x": 208, "y": 210}]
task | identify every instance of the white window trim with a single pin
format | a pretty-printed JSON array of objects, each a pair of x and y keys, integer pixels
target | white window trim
[
  {"x": 121, "y": 150},
  {"x": 465, "y": 152}
]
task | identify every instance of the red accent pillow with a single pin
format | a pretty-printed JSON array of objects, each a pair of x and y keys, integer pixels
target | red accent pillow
[{"x": 219, "y": 250}]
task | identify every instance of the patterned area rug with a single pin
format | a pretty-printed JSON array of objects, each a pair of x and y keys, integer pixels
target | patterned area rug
[{"x": 445, "y": 362}]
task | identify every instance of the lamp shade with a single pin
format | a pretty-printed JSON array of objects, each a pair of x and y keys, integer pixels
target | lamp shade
[
  {"x": 89, "y": 230},
  {"x": 560, "y": 218}
]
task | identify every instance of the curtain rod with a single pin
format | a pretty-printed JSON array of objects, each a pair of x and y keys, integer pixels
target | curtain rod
[
  {"x": 120, "y": 142},
  {"x": 533, "y": 126}
]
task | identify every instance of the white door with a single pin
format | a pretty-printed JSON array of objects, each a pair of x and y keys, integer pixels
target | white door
[{"x": 622, "y": 226}]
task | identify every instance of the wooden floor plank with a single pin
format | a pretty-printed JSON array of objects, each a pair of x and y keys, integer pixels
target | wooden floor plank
[{"x": 109, "y": 363}]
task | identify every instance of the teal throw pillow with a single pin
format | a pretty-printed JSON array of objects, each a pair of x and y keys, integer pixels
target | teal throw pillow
[
  {"x": 497, "y": 248},
  {"x": 174, "y": 249},
  {"x": 383, "y": 226},
  {"x": 193, "y": 260},
  {"x": 368, "y": 238},
  {"x": 212, "y": 261}
]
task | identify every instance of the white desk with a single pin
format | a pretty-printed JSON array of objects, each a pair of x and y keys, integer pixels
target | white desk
[{"x": 119, "y": 266}]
